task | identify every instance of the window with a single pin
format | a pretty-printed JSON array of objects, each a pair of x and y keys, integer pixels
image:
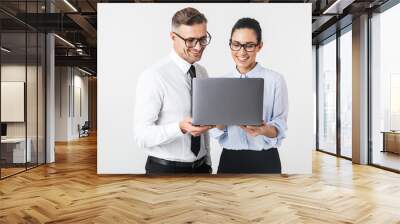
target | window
[
  {"x": 346, "y": 94},
  {"x": 327, "y": 96},
  {"x": 385, "y": 89}
]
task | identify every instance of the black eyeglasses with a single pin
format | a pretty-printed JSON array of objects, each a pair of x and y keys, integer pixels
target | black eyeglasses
[
  {"x": 236, "y": 46},
  {"x": 192, "y": 42}
]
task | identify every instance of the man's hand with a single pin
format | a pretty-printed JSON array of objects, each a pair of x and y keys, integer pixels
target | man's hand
[
  {"x": 220, "y": 127},
  {"x": 264, "y": 129},
  {"x": 187, "y": 127}
]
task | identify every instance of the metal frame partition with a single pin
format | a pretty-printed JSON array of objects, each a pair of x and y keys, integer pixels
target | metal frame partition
[{"x": 35, "y": 33}]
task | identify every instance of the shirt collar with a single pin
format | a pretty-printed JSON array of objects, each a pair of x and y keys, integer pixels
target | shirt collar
[
  {"x": 183, "y": 65},
  {"x": 250, "y": 73}
]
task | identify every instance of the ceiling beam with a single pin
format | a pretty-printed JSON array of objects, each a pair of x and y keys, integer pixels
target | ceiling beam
[
  {"x": 337, "y": 7},
  {"x": 83, "y": 23},
  {"x": 84, "y": 61}
]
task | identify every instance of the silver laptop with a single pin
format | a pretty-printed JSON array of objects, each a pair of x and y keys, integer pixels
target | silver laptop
[{"x": 227, "y": 101}]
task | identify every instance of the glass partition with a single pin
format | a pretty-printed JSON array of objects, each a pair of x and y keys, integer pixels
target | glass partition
[
  {"x": 22, "y": 63},
  {"x": 13, "y": 104}
]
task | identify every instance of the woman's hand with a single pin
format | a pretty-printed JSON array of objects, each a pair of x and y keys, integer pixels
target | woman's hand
[{"x": 265, "y": 130}]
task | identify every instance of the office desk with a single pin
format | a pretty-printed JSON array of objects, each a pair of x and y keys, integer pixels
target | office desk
[
  {"x": 13, "y": 150},
  {"x": 391, "y": 141}
]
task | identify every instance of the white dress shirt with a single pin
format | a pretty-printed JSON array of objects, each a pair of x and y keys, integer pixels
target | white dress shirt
[
  {"x": 163, "y": 100},
  {"x": 275, "y": 112}
]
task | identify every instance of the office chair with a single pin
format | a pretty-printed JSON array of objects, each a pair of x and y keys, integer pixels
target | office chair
[{"x": 84, "y": 130}]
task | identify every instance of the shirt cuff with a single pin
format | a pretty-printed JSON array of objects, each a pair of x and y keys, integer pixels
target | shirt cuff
[
  {"x": 216, "y": 133},
  {"x": 270, "y": 141},
  {"x": 281, "y": 132}
]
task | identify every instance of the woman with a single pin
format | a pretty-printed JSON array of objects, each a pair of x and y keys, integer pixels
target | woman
[{"x": 253, "y": 149}]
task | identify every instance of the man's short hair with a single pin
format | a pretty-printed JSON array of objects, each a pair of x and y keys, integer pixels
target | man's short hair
[
  {"x": 188, "y": 16},
  {"x": 250, "y": 24}
]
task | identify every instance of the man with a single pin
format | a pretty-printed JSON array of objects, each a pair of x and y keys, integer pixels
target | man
[{"x": 163, "y": 102}]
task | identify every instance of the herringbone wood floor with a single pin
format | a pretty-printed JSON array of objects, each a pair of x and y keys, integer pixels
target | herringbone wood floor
[{"x": 70, "y": 191}]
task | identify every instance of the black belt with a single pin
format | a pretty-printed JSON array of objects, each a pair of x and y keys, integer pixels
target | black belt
[{"x": 164, "y": 162}]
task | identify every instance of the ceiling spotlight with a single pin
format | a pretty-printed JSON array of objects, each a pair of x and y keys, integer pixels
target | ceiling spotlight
[
  {"x": 64, "y": 40},
  {"x": 5, "y": 50},
  {"x": 70, "y": 5},
  {"x": 84, "y": 71},
  {"x": 338, "y": 6}
]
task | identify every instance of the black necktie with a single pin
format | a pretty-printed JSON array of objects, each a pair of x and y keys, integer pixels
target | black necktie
[{"x": 195, "y": 143}]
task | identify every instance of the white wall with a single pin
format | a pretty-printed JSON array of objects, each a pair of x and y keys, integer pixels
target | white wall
[
  {"x": 67, "y": 84},
  {"x": 11, "y": 73},
  {"x": 127, "y": 45},
  {"x": 61, "y": 103},
  {"x": 18, "y": 73},
  {"x": 81, "y": 81}
]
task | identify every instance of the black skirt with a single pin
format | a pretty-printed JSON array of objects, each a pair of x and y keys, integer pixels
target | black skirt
[{"x": 249, "y": 161}]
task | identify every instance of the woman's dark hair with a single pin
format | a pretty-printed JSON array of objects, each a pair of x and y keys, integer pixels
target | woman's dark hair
[{"x": 250, "y": 24}]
